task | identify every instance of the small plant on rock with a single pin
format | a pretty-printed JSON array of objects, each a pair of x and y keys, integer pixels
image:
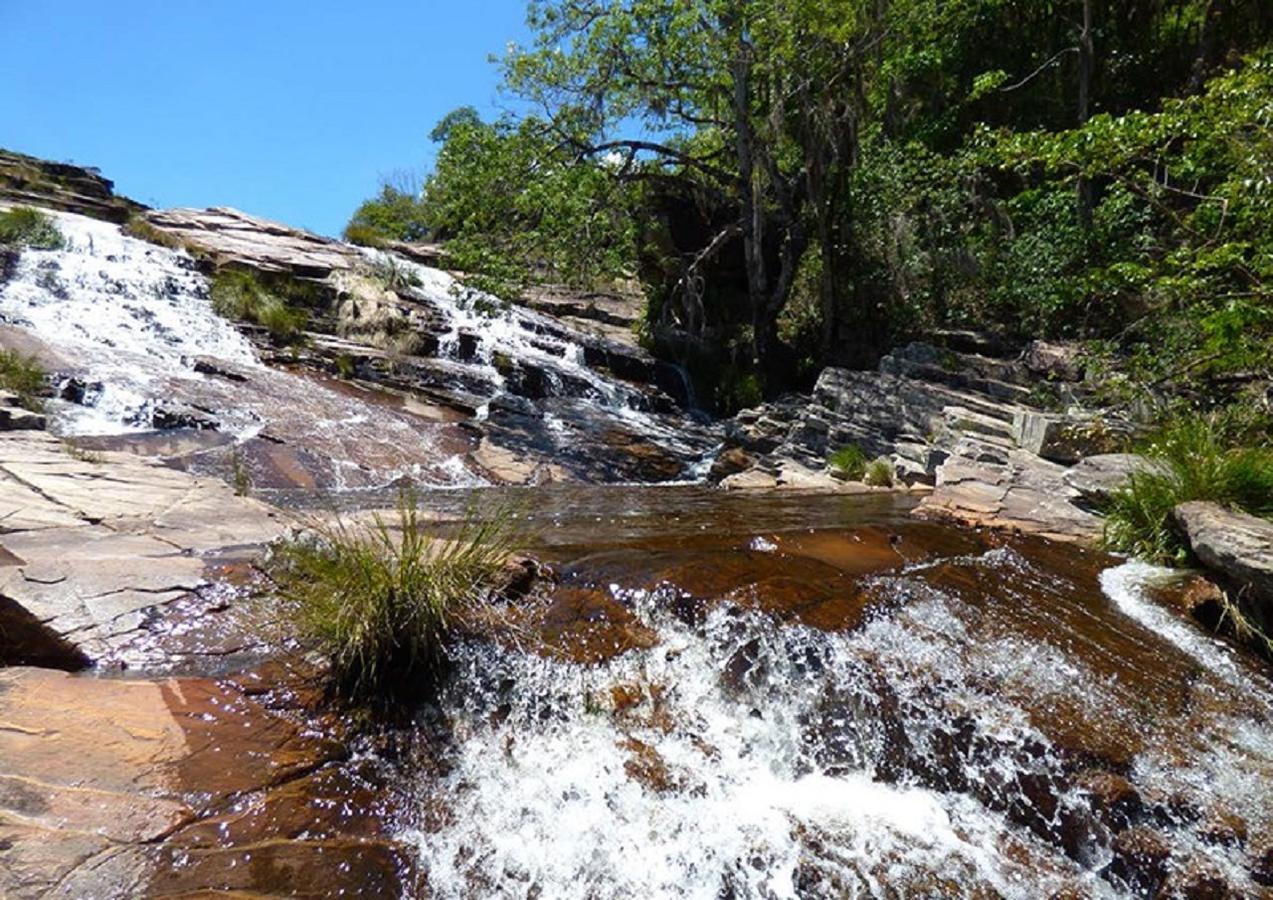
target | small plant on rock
[
  {"x": 849, "y": 462},
  {"x": 1195, "y": 465},
  {"x": 242, "y": 297},
  {"x": 26, "y": 227},
  {"x": 380, "y": 600},
  {"x": 23, "y": 375},
  {"x": 879, "y": 473}
]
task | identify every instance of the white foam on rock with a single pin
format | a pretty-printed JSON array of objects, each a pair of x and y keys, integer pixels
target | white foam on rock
[
  {"x": 132, "y": 314},
  {"x": 542, "y": 799}
]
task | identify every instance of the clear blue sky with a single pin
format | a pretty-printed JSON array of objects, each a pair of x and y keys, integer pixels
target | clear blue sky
[{"x": 284, "y": 108}]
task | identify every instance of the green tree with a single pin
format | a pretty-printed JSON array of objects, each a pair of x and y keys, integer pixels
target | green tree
[
  {"x": 751, "y": 102},
  {"x": 396, "y": 214},
  {"x": 516, "y": 207}
]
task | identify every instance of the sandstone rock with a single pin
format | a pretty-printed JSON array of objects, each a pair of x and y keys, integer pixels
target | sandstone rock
[
  {"x": 102, "y": 543},
  {"x": 230, "y": 237},
  {"x": 1067, "y": 439},
  {"x": 1236, "y": 546},
  {"x": 1113, "y": 799},
  {"x": 1140, "y": 858},
  {"x": 27, "y": 181},
  {"x": 1023, "y": 492},
  {"x": 1195, "y": 880},
  {"x": 112, "y": 788},
  {"x": 15, "y": 418}
]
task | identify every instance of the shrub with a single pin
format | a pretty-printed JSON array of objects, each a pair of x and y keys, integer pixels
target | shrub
[
  {"x": 23, "y": 375},
  {"x": 879, "y": 473},
  {"x": 379, "y": 601},
  {"x": 848, "y": 462},
  {"x": 1196, "y": 465},
  {"x": 26, "y": 227},
  {"x": 241, "y": 296},
  {"x": 396, "y": 214}
]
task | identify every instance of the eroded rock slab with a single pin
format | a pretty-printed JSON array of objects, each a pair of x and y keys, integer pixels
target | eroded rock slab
[
  {"x": 1013, "y": 489},
  {"x": 1238, "y": 548},
  {"x": 97, "y": 544}
]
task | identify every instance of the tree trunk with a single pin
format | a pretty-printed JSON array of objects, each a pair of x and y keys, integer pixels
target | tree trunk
[
  {"x": 1086, "y": 65},
  {"x": 1206, "y": 44}
]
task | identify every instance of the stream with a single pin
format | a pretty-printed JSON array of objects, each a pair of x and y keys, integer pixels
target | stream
[
  {"x": 720, "y": 695},
  {"x": 874, "y": 708}
]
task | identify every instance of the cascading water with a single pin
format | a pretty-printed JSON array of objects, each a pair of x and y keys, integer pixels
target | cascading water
[
  {"x": 577, "y": 399},
  {"x": 928, "y": 752},
  {"x": 132, "y": 323}
]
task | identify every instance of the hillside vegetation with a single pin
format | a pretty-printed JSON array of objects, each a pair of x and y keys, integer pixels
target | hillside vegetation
[{"x": 800, "y": 183}]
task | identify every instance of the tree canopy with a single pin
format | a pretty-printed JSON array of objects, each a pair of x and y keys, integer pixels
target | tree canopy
[{"x": 802, "y": 182}]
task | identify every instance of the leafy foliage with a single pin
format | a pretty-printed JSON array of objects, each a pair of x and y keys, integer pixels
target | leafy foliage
[
  {"x": 379, "y": 601},
  {"x": 25, "y": 227},
  {"x": 394, "y": 215},
  {"x": 517, "y": 207},
  {"x": 1195, "y": 465}
]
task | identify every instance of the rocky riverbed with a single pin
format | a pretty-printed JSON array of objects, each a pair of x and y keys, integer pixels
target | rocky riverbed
[{"x": 830, "y": 690}]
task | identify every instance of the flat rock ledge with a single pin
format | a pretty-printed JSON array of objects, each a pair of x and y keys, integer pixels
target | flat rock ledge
[
  {"x": 94, "y": 546},
  {"x": 1236, "y": 547},
  {"x": 185, "y": 787},
  {"x": 1010, "y": 489}
]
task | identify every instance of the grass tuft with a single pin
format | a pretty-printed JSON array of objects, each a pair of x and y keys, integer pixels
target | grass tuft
[
  {"x": 379, "y": 601},
  {"x": 26, "y": 227},
  {"x": 1196, "y": 466},
  {"x": 241, "y": 296},
  {"x": 22, "y": 375},
  {"x": 848, "y": 462},
  {"x": 879, "y": 473}
]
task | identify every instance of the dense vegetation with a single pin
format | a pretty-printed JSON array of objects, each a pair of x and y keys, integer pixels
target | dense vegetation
[{"x": 804, "y": 182}]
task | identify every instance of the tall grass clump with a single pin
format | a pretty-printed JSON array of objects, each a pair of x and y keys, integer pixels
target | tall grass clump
[
  {"x": 242, "y": 297},
  {"x": 22, "y": 375},
  {"x": 1194, "y": 463},
  {"x": 879, "y": 473},
  {"x": 380, "y": 600},
  {"x": 848, "y": 462},
  {"x": 26, "y": 227}
]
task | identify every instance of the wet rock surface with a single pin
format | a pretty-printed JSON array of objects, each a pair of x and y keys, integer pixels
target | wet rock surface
[
  {"x": 112, "y": 788},
  {"x": 403, "y": 372},
  {"x": 1008, "y": 680},
  {"x": 97, "y": 545}
]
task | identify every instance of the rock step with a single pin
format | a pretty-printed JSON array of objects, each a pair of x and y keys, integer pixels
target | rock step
[
  {"x": 962, "y": 420},
  {"x": 978, "y": 403}
]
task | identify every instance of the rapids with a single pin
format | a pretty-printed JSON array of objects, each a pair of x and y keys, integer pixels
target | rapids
[
  {"x": 721, "y": 695},
  {"x": 815, "y": 719}
]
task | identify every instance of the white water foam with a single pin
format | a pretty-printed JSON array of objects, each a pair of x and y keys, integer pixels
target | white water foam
[
  {"x": 132, "y": 314},
  {"x": 1127, "y": 585},
  {"x": 550, "y": 802}
]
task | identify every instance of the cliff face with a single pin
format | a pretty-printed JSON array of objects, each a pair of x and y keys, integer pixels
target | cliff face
[{"x": 25, "y": 180}]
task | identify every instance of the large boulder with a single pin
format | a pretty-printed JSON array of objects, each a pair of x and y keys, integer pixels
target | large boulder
[
  {"x": 1066, "y": 438},
  {"x": 1237, "y": 547}
]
